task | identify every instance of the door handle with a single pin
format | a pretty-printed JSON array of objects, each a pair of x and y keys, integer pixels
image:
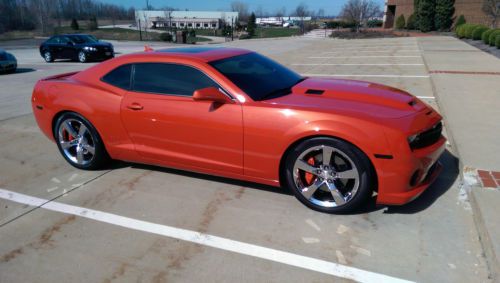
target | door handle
[{"x": 135, "y": 106}]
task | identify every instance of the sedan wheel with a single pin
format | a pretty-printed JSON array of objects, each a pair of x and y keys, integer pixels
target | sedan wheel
[
  {"x": 329, "y": 175},
  {"x": 48, "y": 57},
  {"x": 79, "y": 142},
  {"x": 82, "y": 57}
]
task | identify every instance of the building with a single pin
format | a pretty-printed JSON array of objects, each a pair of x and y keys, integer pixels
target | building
[
  {"x": 471, "y": 9},
  {"x": 280, "y": 21},
  {"x": 185, "y": 19}
]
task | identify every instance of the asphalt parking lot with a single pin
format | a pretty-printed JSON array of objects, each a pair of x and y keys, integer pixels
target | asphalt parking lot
[{"x": 188, "y": 227}]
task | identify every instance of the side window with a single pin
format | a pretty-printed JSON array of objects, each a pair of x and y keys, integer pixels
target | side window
[
  {"x": 54, "y": 39},
  {"x": 169, "y": 79},
  {"x": 119, "y": 77}
]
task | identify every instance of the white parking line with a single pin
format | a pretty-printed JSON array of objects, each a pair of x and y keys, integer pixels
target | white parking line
[
  {"x": 367, "y": 75},
  {"x": 426, "y": 97},
  {"x": 362, "y": 64},
  {"x": 374, "y": 56},
  {"x": 373, "y": 51},
  {"x": 296, "y": 260}
]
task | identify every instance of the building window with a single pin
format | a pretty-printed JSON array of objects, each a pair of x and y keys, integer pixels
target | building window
[
  {"x": 190, "y": 24},
  {"x": 214, "y": 25},
  {"x": 182, "y": 24},
  {"x": 205, "y": 25},
  {"x": 198, "y": 25}
]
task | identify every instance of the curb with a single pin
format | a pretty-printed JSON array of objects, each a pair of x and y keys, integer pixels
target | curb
[{"x": 471, "y": 184}]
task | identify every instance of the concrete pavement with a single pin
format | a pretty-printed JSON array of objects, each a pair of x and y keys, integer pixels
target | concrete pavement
[
  {"x": 466, "y": 82},
  {"x": 432, "y": 239}
]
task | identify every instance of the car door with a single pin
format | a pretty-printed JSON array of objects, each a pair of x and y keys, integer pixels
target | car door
[
  {"x": 166, "y": 124},
  {"x": 68, "y": 49},
  {"x": 55, "y": 47}
]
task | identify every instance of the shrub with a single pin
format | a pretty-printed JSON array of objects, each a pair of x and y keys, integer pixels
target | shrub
[
  {"x": 497, "y": 41},
  {"x": 93, "y": 23},
  {"x": 374, "y": 23},
  {"x": 400, "y": 22},
  {"x": 485, "y": 37},
  {"x": 460, "y": 21},
  {"x": 459, "y": 31},
  {"x": 478, "y": 32},
  {"x": 74, "y": 24},
  {"x": 469, "y": 28},
  {"x": 412, "y": 22},
  {"x": 493, "y": 36},
  {"x": 165, "y": 36}
]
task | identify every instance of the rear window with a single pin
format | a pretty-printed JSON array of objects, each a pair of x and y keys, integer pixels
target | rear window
[{"x": 119, "y": 77}]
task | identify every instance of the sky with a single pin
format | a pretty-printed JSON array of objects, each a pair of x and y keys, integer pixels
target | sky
[{"x": 331, "y": 7}]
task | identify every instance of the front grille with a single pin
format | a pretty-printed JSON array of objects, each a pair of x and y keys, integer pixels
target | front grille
[{"x": 428, "y": 137}]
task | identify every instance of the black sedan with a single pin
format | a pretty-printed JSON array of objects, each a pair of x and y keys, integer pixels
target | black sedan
[
  {"x": 81, "y": 47},
  {"x": 8, "y": 63}
]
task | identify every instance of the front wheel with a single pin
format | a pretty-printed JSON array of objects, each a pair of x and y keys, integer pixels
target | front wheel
[
  {"x": 79, "y": 142},
  {"x": 82, "y": 57},
  {"x": 329, "y": 175},
  {"x": 47, "y": 56}
]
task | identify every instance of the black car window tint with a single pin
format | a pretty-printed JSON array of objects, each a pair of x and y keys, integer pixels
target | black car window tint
[
  {"x": 119, "y": 77},
  {"x": 169, "y": 79}
]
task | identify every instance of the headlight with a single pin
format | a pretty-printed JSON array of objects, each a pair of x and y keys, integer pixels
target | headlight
[
  {"x": 89, "y": 48},
  {"x": 411, "y": 139}
]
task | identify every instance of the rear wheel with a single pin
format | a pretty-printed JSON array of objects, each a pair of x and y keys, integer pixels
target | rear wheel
[
  {"x": 79, "y": 142},
  {"x": 48, "y": 57},
  {"x": 329, "y": 175}
]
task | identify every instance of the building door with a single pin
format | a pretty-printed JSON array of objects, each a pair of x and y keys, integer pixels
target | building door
[{"x": 389, "y": 16}]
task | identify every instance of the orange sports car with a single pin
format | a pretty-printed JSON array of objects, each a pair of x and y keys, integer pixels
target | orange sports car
[{"x": 235, "y": 113}]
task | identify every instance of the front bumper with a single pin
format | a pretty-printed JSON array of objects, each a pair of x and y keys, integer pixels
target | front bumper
[
  {"x": 99, "y": 55},
  {"x": 405, "y": 177}
]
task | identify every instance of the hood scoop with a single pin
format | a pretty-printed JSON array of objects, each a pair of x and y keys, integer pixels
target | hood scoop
[{"x": 315, "y": 91}]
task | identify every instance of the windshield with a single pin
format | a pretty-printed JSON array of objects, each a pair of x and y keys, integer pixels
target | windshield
[
  {"x": 78, "y": 39},
  {"x": 259, "y": 77}
]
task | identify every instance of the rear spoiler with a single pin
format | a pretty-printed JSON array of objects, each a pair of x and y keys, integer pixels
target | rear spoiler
[{"x": 60, "y": 76}]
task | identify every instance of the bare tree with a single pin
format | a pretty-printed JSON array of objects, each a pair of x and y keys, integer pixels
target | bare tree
[
  {"x": 241, "y": 8},
  {"x": 321, "y": 13},
  {"x": 492, "y": 9},
  {"x": 359, "y": 11},
  {"x": 301, "y": 11},
  {"x": 260, "y": 13},
  {"x": 281, "y": 12}
]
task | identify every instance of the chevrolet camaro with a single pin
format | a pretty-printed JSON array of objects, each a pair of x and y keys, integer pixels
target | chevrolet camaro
[{"x": 234, "y": 113}]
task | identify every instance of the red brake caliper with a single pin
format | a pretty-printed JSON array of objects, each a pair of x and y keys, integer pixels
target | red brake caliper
[{"x": 309, "y": 176}]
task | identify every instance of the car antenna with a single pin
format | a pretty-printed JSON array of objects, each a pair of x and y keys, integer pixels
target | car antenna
[{"x": 148, "y": 48}]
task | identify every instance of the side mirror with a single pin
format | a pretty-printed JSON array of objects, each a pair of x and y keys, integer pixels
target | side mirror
[{"x": 211, "y": 94}]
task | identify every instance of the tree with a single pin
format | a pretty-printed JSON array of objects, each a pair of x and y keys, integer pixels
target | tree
[
  {"x": 460, "y": 21},
  {"x": 426, "y": 12},
  {"x": 301, "y": 11},
  {"x": 251, "y": 25},
  {"x": 241, "y": 8},
  {"x": 359, "y": 11},
  {"x": 400, "y": 22},
  {"x": 74, "y": 24},
  {"x": 321, "y": 13},
  {"x": 93, "y": 23},
  {"x": 416, "y": 5},
  {"x": 411, "y": 22},
  {"x": 492, "y": 9},
  {"x": 281, "y": 12},
  {"x": 444, "y": 14}
]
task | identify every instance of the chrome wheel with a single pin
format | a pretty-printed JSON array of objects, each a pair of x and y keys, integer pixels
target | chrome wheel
[
  {"x": 326, "y": 176},
  {"x": 76, "y": 141},
  {"x": 47, "y": 56},
  {"x": 82, "y": 57}
]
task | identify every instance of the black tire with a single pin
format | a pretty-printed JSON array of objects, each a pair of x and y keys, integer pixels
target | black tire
[
  {"x": 365, "y": 180},
  {"x": 48, "y": 57},
  {"x": 100, "y": 156},
  {"x": 82, "y": 57}
]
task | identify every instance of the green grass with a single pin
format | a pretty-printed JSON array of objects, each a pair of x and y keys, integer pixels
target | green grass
[{"x": 276, "y": 32}]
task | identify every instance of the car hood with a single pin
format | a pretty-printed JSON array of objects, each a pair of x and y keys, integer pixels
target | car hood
[{"x": 350, "y": 97}]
